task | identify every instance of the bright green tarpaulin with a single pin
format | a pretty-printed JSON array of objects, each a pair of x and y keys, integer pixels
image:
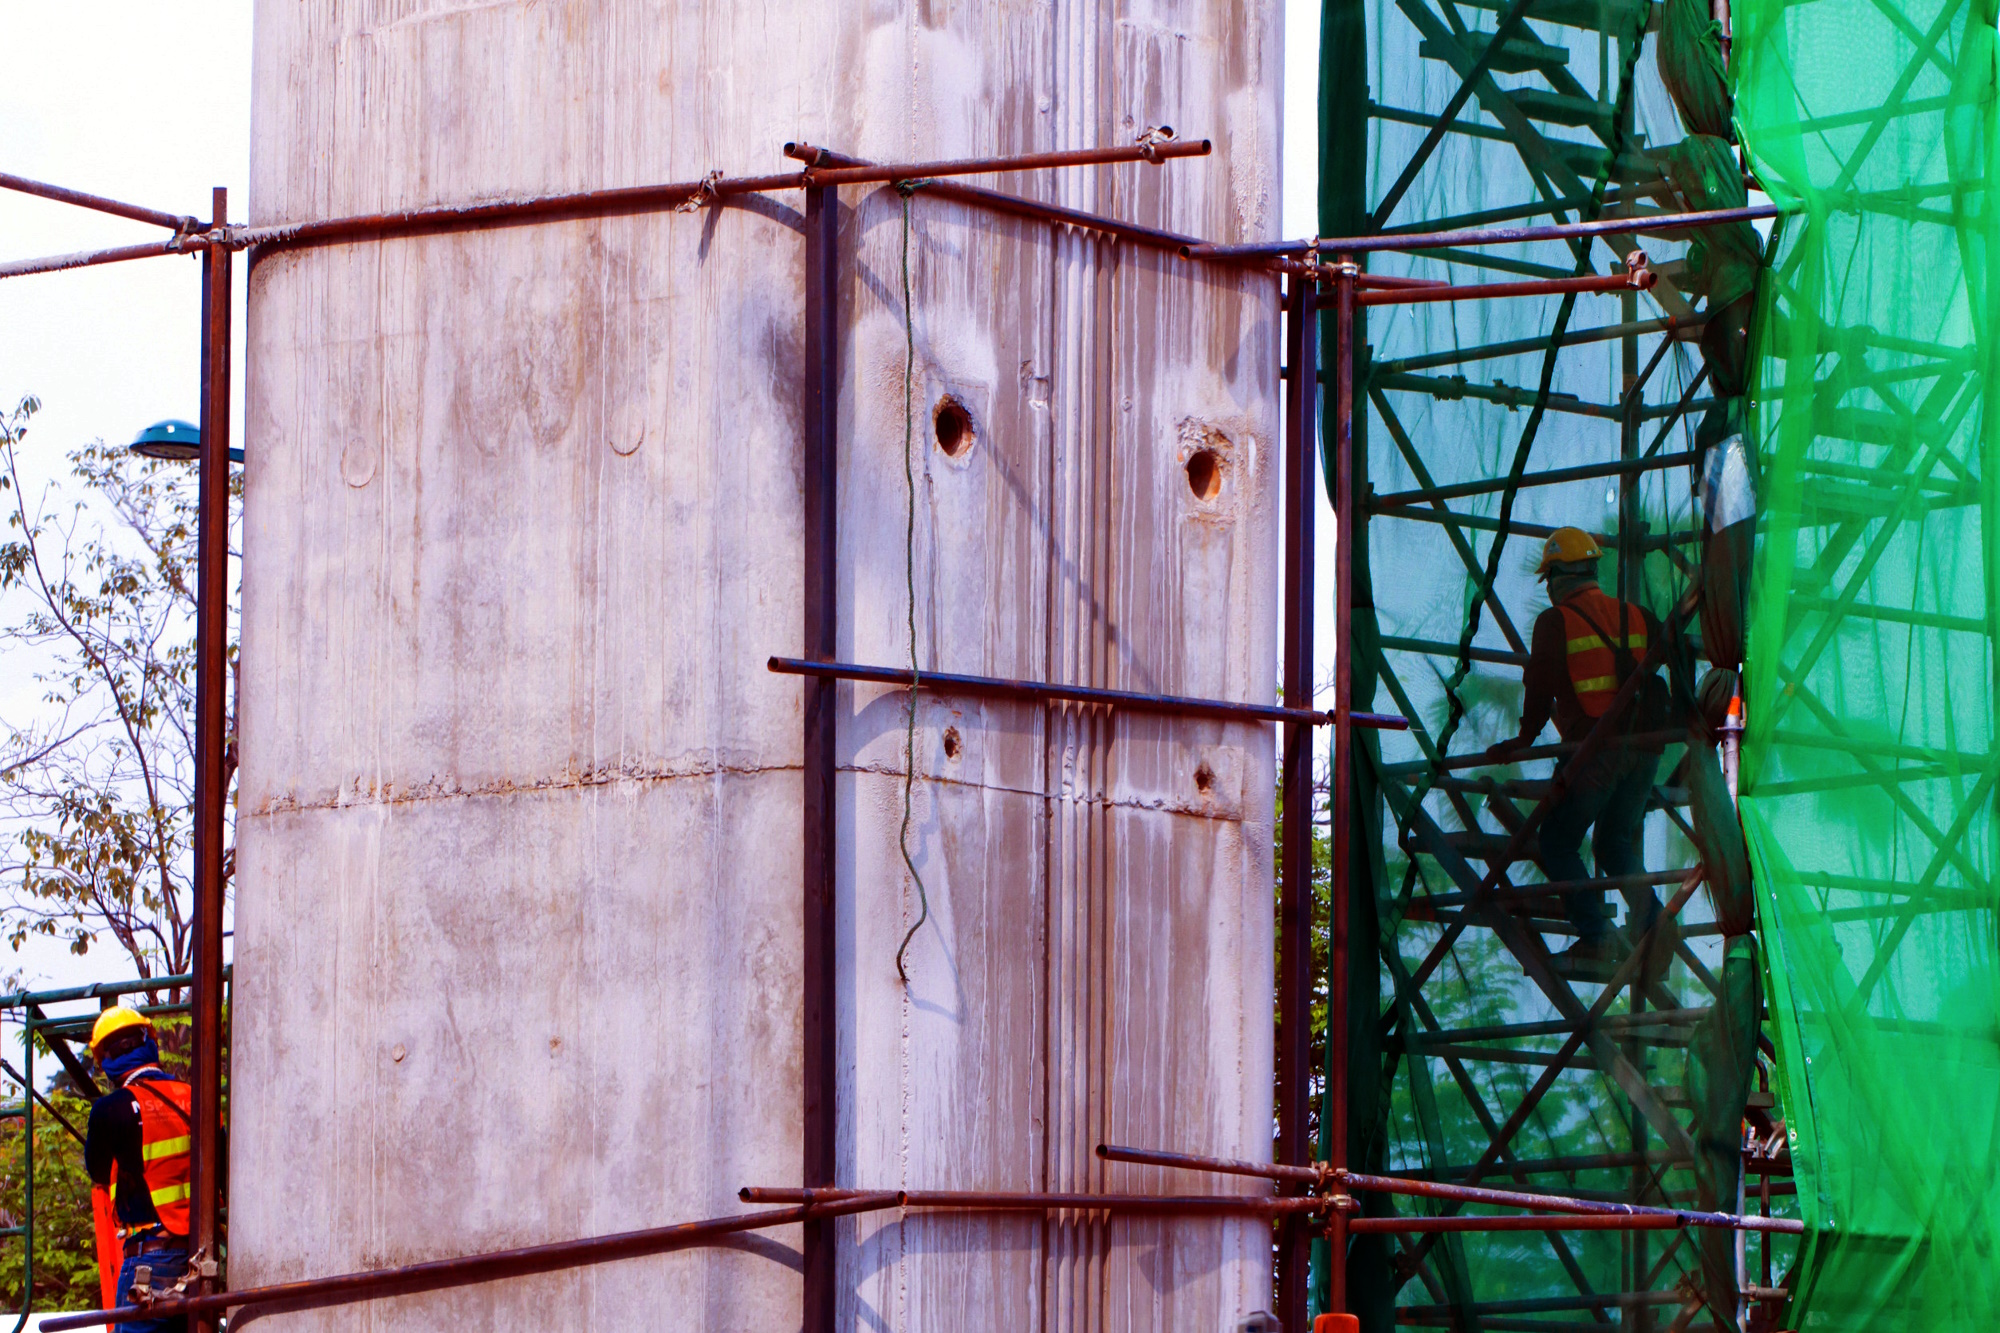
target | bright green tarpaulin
[{"x": 1869, "y": 766}]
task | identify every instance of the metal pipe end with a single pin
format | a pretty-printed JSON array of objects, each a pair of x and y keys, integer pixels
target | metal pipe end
[{"x": 803, "y": 152}]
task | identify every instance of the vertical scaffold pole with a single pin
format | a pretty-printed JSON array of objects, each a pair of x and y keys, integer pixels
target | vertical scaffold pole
[
  {"x": 819, "y": 1066},
  {"x": 1295, "y": 865},
  {"x": 211, "y": 670},
  {"x": 1341, "y": 776}
]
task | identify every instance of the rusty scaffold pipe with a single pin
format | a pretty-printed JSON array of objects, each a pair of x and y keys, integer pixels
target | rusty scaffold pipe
[
  {"x": 1466, "y": 236},
  {"x": 1200, "y": 1205},
  {"x": 1031, "y": 691},
  {"x": 439, "y": 1275},
  {"x": 60, "y": 194},
  {"x": 615, "y": 202},
  {"x": 1568, "y": 1211}
]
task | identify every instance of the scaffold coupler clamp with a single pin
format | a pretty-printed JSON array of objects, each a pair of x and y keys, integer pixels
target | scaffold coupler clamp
[
  {"x": 1345, "y": 267},
  {"x": 199, "y": 1266},
  {"x": 143, "y": 1293},
  {"x": 185, "y": 230},
  {"x": 703, "y": 195},
  {"x": 1638, "y": 275},
  {"x": 1332, "y": 1188},
  {"x": 1150, "y": 139}
]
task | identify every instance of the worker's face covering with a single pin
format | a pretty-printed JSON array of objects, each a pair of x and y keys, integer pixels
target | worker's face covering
[
  {"x": 1564, "y": 585},
  {"x": 145, "y": 1053}
]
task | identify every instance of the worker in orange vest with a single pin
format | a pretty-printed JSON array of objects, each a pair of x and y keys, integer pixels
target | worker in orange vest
[
  {"x": 137, "y": 1150},
  {"x": 1584, "y": 647}
]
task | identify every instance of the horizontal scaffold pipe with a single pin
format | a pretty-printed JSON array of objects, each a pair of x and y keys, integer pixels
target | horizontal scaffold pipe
[
  {"x": 100, "y": 990},
  {"x": 1451, "y": 388},
  {"x": 1580, "y": 1061},
  {"x": 1510, "y": 1222},
  {"x": 1427, "y": 240},
  {"x": 1527, "y": 346},
  {"x": 1553, "y": 1027},
  {"x": 1553, "y": 477},
  {"x": 1227, "y": 1166},
  {"x": 1480, "y": 523},
  {"x": 1585, "y": 159},
  {"x": 1533, "y": 789},
  {"x": 1556, "y": 1203},
  {"x": 626, "y": 201},
  {"x": 982, "y": 166},
  {"x": 21, "y": 268},
  {"x": 1576, "y": 1213},
  {"x": 98, "y": 203},
  {"x": 1561, "y": 886},
  {"x": 1638, "y": 280},
  {"x": 1802, "y": 603},
  {"x": 655, "y": 198},
  {"x": 995, "y": 201},
  {"x": 1221, "y": 710},
  {"x": 1550, "y": 1304},
  {"x": 441, "y": 1274},
  {"x": 1498, "y": 656},
  {"x": 1544, "y": 1166},
  {"x": 1555, "y": 751},
  {"x": 1009, "y": 1201},
  {"x": 1886, "y": 777},
  {"x": 1874, "y": 748}
]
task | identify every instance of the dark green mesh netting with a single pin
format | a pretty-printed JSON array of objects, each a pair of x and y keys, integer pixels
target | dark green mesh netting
[
  {"x": 1869, "y": 764},
  {"x": 1439, "y": 113}
]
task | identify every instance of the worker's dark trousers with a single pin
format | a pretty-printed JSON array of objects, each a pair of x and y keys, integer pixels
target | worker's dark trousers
[
  {"x": 1607, "y": 796},
  {"x": 167, "y": 1266}
]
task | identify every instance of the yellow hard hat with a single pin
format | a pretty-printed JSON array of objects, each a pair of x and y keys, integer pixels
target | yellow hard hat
[
  {"x": 115, "y": 1020},
  {"x": 1565, "y": 545}
]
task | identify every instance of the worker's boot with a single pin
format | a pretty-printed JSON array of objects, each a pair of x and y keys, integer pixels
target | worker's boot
[{"x": 1592, "y": 958}]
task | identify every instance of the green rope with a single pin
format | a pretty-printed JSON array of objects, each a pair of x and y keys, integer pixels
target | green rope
[{"x": 906, "y": 189}]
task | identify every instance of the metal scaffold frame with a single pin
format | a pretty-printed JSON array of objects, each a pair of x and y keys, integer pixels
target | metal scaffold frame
[
  {"x": 1311, "y": 1197},
  {"x": 1502, "y": 129}
]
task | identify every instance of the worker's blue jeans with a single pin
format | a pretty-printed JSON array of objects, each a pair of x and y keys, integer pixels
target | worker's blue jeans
[
  {"x": 167, "y": 1266},
  {"x": 1607, "y": 797}
]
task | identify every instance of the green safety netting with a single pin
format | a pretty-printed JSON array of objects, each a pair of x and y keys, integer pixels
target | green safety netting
[
  {"x": 1438, "y": 113},
  {"x": 1870, "y": 760}
]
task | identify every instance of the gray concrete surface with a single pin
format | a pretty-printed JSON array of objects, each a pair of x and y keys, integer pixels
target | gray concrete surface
[{"x": 518, "y": 923}]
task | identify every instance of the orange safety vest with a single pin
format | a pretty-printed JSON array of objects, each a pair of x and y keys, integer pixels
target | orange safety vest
[
  {"x": 166, "y": 1142},
  {"x": 1593, "y": 665}
]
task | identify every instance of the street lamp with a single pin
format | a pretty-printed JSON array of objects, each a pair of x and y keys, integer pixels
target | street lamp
[{"x": 176, "y": 441}]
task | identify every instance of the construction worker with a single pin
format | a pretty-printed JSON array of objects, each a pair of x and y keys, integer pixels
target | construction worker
[
  {"x": 137, "y": 1152},
  {"x": 1583, "y": 648}
]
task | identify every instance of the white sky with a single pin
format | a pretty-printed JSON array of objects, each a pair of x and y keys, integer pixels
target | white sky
[{"x": 149, "y": 103}]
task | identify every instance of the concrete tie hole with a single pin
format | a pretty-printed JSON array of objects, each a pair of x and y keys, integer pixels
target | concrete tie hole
[
  {"x": 953, "y": 745},
  {"x": 1204, "y": 474},
  {"x": 953, "y": 425},
  {"x": 1204, "y": 779}
]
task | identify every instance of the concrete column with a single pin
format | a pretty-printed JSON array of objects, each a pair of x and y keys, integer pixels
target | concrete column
[{"x": 518, "y": 918}]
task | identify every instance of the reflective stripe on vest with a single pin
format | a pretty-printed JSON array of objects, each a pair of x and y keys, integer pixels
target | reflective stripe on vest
[
  {"x": 1593, "y": 665},
  {"x": 171, "y": 1194},
  {"x": 165, "y": 1146}
]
